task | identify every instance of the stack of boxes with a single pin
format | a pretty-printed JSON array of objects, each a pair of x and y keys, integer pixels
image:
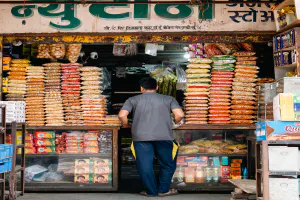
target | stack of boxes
[
  {"x": 29, "y": 144},
  {"x": 94, "y": 170},
  {"x": 74, "y": 142},
  {"x": 15, "y": 111},
  {"x": 236, "y": 168},
  {"x": 91, "y": 142},
  {"x": 44, "y": 141}
]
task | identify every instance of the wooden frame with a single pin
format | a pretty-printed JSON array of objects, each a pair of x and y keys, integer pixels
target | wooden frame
[
  {"x": 291, "y": 67},
  {"x": 92, "y": 38},
  {"x": 2, "y": 141},
  {"x": 63, "y": 187},
  {"x": 13, "y": 193}
]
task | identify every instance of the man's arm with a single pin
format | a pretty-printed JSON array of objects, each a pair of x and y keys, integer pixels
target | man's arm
[
  {"x": 178, "y": 115},
  {"x": 177, "y": 111},
  {"x": 123, "y": 117},
  {"x": 125, "y": 110}
]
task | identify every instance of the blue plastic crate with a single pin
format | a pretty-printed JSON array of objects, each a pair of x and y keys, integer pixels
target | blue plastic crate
[
  {"x": 9, "y": 150},
  {"x": 6, "y": 165},
  {"x": 6, "y": 151}
]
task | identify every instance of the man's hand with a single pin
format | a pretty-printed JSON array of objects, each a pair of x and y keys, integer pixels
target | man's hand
[
  {"x": 123, "y": 118},
  {"x": 178, "y": 115}
]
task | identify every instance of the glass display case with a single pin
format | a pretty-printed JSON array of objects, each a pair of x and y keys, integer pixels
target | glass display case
[
  {"x": 207, "y": 159},
  {"x": 72, "y": 159}
]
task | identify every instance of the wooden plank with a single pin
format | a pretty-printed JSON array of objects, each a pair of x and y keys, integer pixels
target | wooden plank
[
  {"x": 1, "y": 64},
  {"x": 247, "y": 186},
  {"x": 73, "y": 127},
  {"x": 91, "y": 38},
  {"x": 217, "y": 127}
]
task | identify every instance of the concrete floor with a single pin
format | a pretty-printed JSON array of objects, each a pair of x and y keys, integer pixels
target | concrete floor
[{"x": 117, "y": 196}]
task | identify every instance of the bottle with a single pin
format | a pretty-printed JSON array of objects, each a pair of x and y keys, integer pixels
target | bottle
[{"x": 245, "y": 173}]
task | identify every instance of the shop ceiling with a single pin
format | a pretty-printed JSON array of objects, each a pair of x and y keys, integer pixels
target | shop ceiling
[{"x": 192, "y": 2}]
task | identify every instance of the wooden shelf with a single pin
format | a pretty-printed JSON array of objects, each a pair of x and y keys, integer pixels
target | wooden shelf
[
  {"x": 214, "y": 155},
  {"x": 79, "y": 155},
  {"x": 286, "y": 49},
  {"x": 217, "y": 127},
  {"x": 287, "y": 66},
  {"x": 63, "y": 186},
  {"x": 64, "y": 128},
  {"x": 296, "y": 23},
  {"x": 203, "y": 186}
]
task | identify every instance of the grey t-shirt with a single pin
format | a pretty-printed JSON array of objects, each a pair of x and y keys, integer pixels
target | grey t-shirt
[{"x": 151, "y": 116}]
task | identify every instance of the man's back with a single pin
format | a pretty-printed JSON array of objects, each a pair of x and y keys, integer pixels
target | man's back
[{"x": 151, "y": 116}]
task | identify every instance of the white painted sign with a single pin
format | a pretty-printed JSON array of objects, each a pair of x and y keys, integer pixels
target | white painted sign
[{"x": 120, "y": 18}]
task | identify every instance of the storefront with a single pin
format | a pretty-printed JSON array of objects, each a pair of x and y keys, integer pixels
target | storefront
[{"x": 101, "y": 32}]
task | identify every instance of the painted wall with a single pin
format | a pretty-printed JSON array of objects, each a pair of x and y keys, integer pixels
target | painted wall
[{"x": 122, "y": 18}]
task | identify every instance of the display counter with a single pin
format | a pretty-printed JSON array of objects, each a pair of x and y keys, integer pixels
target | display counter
[
  {"x": 78, "y": 158},
  {"x": 209, "y": 155}
]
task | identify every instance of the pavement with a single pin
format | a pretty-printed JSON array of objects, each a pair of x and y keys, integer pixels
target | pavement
[{"x": 118, "y": 196}]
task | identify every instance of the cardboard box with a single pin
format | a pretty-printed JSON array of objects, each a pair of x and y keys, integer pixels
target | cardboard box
[
  {"x": 81, "y": 178},
  {"x": 235, "y": 165},
  {"x": 102, "y": 170},
  {"x": 286, "y": 107},
  {"x": 236, "y": 173},
  {"x": 277, "y": 130},
  {"x": 15, "y": 111},
  {"x": 190, "y": 174},
  {"x": 283, "y": 189},
  {"x": 197, "y": 161},
  {"x": 102, "y": 178},
  {"x": 225, "y": 174},
  {"x": 237, "y": 161},
  {"x": 283, "y": 158},
  {"x": 98, "y": 162},
  {"x": 82, "y": 163}
]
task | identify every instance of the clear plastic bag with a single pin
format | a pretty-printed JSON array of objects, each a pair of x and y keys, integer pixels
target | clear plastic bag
[
  {"x": 181, "y": 75},
  {"x": 106, "y": 79}
]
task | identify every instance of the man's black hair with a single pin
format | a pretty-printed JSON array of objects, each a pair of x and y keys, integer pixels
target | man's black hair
[
  {"x": 80, "y": 177},
  {"x": 148, "y": 83},
  {"x": 81, "y": 161}
]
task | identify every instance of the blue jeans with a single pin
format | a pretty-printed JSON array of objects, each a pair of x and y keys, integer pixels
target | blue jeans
[{"x": 145, "y": 152}]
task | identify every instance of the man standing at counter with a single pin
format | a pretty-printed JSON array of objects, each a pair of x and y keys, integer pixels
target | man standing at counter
[{"x": 152, "y": 135}]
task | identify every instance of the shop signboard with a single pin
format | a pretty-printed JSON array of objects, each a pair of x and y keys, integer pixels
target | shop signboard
[{"x": 121, "y": 18}]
